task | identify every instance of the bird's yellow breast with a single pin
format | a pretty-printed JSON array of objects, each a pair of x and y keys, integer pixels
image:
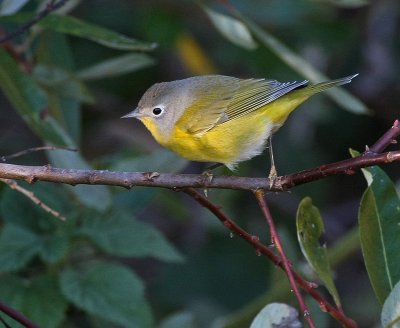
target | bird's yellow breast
[{"x": 231, "y": 142}]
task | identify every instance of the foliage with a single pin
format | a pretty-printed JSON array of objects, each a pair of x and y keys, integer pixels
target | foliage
[{"x": 74, "y": 72}]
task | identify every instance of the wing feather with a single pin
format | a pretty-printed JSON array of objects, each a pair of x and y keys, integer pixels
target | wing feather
[{"x": 230, "y": 98}]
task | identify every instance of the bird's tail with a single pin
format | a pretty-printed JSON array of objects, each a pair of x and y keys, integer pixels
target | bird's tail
[{"x": 327, "y": 85}]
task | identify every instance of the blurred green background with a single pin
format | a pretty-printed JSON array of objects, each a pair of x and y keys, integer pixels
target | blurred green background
[{"x": 222, "y": 276}]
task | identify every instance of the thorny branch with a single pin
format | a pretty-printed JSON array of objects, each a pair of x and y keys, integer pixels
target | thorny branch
[
  {"x": 260, "y": 248},
  {"x": 276, "y": 240}
]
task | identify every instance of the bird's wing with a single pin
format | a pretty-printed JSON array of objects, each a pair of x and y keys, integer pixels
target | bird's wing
[{"x": 233, "y": 98}]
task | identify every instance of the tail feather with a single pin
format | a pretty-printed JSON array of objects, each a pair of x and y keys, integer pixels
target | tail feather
[{"x": 334, "y": 83}]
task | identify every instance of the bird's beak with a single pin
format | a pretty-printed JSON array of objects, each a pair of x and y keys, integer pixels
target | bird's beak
[{"x": 135, "y": 113}]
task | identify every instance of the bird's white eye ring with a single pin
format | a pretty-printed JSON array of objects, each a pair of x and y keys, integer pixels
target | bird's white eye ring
[{"x": 157, "y": 111}]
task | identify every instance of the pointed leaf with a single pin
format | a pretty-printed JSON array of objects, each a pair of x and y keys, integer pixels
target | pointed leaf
[
  {"x": 122, "y": 235},
  {"x": 109, "y": 291},
  {"x": 17, "y": 247},
  {"x": 54, "y": 50},
  {"x": 310, "y": 227},
  {"x": 73, "y": 26},
  {"x": 40, "y": 300},
  {"x": 277, "y": 315},
  {"x": 232, "y": 29},
  {"x": 62, "y": 83},
  {"x": 116, "y": 66},
  {"x": 30, "y": 102},
  {"x": 299, "y": 64},
  {"x": 390, "y": 316},
  {"x": 379, "y": 221}
]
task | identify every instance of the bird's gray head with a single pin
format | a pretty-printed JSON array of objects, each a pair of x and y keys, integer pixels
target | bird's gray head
[{"x": 161, "y": 106}]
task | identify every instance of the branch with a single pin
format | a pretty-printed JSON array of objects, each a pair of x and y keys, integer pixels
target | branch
[
  {"x": 129, "y": 180},
  {"x": 50, "y": 7},
  {"x": 262, "y": 249},
  {"x": 14, "y": 185},
  {"x": 31, "y": 150}
]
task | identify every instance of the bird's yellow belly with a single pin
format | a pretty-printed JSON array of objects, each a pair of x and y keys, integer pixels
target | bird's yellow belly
[{"x": 228, "y": 143}]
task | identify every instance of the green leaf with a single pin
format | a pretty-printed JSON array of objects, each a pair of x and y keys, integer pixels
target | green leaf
[
  {"x": 116, "y": 66},
  {"x": 390, "y": 316},
  {"x": 50, "y": 237},
  {"x": 181, "y": 320},
  {"x": 54, "y": 50},
  {"x": 29, "y": 101},
  {"x": 73, "y": 26},
  {"x": 17, "y": 247},
  {"x": 40, "y": 300},
  {"x": 122, "y": 235},
  {"x": 342, "y": 97},
  {"x": 62, "y": 83},
  {"x": 348, "y": 3},
  {"x": 310, "y": 228},
  {"x": 379, "y": 221},
  {"x": 232, "y": 29},
  {"x": 161, "y": 160},
  {"x": 9, "y": 7},
  {"x": 109, "y": 291},
  {"x": 276, "y": 315}
]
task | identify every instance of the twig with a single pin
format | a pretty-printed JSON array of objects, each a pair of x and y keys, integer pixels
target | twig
[
  {"x": 31, "y": 150},
  {"x": 275, "y": 239},
  {"x": 14, "y": 185},
  {"x": 50, "y": 7},
  {"x": 17, "y": 316},
  {"x": 262, "y": 249},
  {"x": 387, "y": 139}
]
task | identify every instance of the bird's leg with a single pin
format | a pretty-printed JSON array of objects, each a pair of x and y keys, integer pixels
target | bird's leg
[
  {"x": 207, "y": 173},
  {"x": 272, "y": 173}
]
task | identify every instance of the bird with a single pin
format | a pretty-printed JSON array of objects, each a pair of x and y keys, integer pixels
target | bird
[{"x": 222, "y": 119}]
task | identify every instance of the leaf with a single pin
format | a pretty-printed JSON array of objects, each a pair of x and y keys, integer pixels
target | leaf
[
  {"x": 116, "y": 66},
  {"x": 53, "y": 50},
  {"x": 73, "y": 26},
  {"x": 390, "y": 316},
  {"x": 122, "y": 235},
  {"x": 9, "y": 7},
  {"x": 62, "y": 83},
  {"x": 277, "y": 315},
  {"x": 300, "y": 65},
  {"x": 109, "y": 291},
  {"x": 17, "y": 247},
  {"x": 50, "y": 237},
  {"x": 232, "y": 29},
  {"x": 160, "y": 160},
  {"x": 379, "y": 221},
  {"x": 181, "y": 320},
  {"x": 310, "y": 227},
  {"x": 348, "y": 3},
  {"x": 40, "y": 300}
]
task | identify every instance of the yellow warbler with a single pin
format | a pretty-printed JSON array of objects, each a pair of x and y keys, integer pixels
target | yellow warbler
[{"x": 221, "y": 119}]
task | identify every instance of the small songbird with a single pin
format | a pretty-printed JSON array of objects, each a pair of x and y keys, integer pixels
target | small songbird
[{"x": 219, "y": 118}]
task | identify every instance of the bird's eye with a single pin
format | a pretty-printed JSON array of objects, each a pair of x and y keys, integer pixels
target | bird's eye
[{"x": 157, "y": 111}]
